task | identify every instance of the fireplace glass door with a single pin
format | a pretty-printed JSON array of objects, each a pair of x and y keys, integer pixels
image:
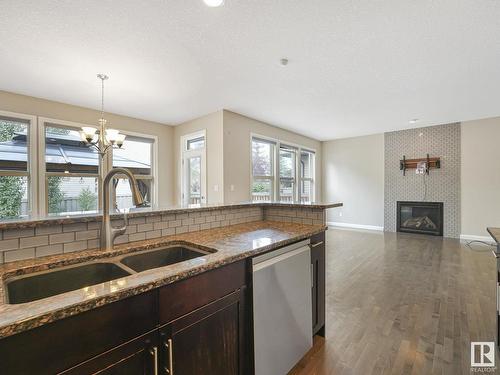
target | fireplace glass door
[{"x": 420, "y": 217}]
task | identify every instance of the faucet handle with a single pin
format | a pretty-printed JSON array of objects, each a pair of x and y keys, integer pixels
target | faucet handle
[{"x": 120, "y": 230}]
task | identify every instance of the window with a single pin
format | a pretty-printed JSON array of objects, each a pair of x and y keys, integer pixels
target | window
[
  {"x": 69, "y": 180},
  {"x": 306, "y": 187},
  {"x": 195, "y": 143},
  {"x": 262, "y": 169},
  {"x": 71, "y": 171},
  {"x": 193, "y": 168},
  {"x": 137, "y": 156},
  {"x": 287, "y": 170},
  {"x": 65, "y": 178},
  {"x": 295, "y": 171},
  {"x": 16, "y": 188}
]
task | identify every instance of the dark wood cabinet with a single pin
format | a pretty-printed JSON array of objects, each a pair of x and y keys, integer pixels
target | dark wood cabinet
[
  {"x": 209, "y": 341},
  {"x": 202, "y": 316},
  {"x": 57, "y": 346},
  {"x": 138, "y": 356},
  {"x": 318, "y": 261}
]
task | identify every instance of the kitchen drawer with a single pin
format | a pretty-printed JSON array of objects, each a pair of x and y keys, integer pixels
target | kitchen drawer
[{"x": 187, "y": 295}]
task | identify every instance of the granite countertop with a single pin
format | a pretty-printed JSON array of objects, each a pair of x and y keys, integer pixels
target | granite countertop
[
  {"x": 32, "y": 222},
  {"x": 224, "y": 245},
  {"x": 495, "y": 233}
]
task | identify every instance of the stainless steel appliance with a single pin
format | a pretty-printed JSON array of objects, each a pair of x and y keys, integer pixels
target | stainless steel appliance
[{"x": 282, "y": 308}]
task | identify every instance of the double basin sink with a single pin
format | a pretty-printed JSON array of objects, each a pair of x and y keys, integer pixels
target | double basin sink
[{"x": 35, "y": 286}]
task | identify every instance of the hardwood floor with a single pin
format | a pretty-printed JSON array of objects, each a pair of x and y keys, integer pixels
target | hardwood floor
[{"x": 403, "y": 304}]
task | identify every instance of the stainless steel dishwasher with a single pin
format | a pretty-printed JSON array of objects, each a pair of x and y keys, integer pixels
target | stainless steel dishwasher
[{"x": 282, "y": 312}]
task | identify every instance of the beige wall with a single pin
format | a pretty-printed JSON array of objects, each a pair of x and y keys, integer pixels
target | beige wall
[
  {"x": 237, "y": 132},
  {"x": 227, "y": 137},
  {"x": 480, "y": 176},
  {"x": 353, "y": 173},
  {"x": 60, "y": 111},
  {"x": 212, "y": 124}
]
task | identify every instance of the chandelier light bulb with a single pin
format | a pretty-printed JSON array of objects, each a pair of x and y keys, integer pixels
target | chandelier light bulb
[
  {"x": 88, "y": 130},
  {"x": 112, "y": 135},
  {"x": 120, "y": 139},
  {"x": 87, "y": 134}
]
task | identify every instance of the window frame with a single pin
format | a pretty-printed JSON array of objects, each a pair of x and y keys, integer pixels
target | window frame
[
  {"x": 105, "y": 164},
  {"x": 154, "y": 165},
  {"x": 312, "y": 179},
  {"x": 276, "y": 179},
  {"x": 43, "y": 122},
  {"x": 31, "y": 160},
  {"x": 274, "y": 169},
  {"x": 185, "y": 153},
  {"x": 296, "y": 151}
]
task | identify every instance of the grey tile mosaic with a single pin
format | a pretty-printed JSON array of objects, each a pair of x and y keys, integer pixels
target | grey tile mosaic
[{"x": 443, "y": 185}]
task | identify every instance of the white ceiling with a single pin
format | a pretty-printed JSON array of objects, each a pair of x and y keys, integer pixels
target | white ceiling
[{"x": 356, "y": 66}]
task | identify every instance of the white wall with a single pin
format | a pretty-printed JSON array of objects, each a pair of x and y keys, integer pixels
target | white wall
[
  {"x": 480, "y": 176},
  {"x": 46, "y": 108},
  {"x": 237, "y": 133},
  {"x": 353, "y": 173},
  {"x": 212, "y": 124}
]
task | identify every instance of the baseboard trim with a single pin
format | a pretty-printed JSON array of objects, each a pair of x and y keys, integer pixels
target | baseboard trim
[
  {"x": 471, "y": 237},
  {"x": 355, "y": 226}
]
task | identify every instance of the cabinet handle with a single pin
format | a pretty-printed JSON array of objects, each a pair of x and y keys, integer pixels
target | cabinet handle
[
  {"x": 169, "y": 348},
  {"x": 316, "y": 244},
  {"x": 154, "y": 352}
]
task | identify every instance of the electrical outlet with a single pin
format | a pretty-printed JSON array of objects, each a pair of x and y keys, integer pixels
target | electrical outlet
[
  {"x": 340, "y": 213},
  {"x": 231, "y": 187},
  {"x": 216, "y": 187}
]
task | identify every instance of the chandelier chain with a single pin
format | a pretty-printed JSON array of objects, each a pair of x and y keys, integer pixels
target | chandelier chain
[{"x": 107, "y": 138}]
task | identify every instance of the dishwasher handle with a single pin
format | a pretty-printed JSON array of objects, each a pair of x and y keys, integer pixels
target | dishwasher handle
[{"x": 279, "y": 258}]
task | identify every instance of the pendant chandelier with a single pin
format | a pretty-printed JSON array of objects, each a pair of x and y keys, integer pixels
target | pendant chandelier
[{"x": 102, "y": 139}]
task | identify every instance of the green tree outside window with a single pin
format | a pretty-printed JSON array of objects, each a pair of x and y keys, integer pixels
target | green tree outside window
[{"x": 11, "y": 187}]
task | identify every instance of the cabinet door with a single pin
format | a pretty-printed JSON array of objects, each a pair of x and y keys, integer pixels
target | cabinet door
[
  {"x": 60, "y": 345},
  {"x": 318, "y": 261},
  {"x": 139, "y": 356},
  {"x": 208, "y": 341}
]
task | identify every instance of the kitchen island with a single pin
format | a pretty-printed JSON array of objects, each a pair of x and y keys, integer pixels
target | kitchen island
[{"x": 174, "y": 297}]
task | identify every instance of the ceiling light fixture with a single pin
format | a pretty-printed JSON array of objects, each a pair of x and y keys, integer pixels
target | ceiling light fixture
[
  {"x": 413, "y": 121},
  {"x": 106, "y": 138},
  {"x": 284, "y": 62},
  {"x": 214, "y": 3}
]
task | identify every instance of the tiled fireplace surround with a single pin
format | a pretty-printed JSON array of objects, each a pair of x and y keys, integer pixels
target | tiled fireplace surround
[
  {"x": 63, "y": 236},
  {"x": 443, "y": 185}
]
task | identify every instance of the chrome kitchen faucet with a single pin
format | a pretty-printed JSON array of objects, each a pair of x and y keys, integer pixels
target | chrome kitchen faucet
[{"x": 108, "y": 233}]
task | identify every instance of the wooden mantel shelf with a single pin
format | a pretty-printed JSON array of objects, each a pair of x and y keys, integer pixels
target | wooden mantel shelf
[{"x": 432, "y": 163}]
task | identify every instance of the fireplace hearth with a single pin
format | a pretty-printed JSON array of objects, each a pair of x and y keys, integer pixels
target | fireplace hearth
[{"x": 420, "y": 217}]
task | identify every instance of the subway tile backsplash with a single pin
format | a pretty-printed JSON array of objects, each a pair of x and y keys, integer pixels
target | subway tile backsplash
[
  {"x": 44, "y": 240},
  {"x": 293, "y": 215}
]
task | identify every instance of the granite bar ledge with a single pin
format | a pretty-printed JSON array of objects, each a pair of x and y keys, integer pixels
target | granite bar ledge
[{"x": 145, "y": 212}]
